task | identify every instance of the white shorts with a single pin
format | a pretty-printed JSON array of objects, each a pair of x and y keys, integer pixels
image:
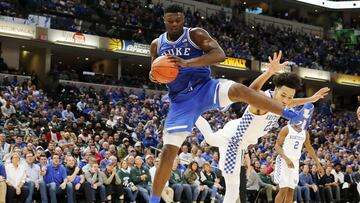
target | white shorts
[
  {"x": 285, "y": 176},
  {"x": 178, "y": 136}
]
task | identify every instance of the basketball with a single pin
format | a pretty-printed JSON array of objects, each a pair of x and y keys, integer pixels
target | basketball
[{"x": 163, "y": 70}]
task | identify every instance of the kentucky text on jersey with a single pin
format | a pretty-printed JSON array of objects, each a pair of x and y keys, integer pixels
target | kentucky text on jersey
[{"x": 295, "y": 137}]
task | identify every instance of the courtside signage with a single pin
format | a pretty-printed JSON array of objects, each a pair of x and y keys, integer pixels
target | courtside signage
[{"x": 234, "y": 63}]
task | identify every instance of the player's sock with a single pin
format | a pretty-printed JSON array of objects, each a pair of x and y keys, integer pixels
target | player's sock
[{"x": 154, "y": 199}]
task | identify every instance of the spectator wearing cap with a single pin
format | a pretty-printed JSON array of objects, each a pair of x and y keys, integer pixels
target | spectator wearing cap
[
  {"x": 129, "y": 187},
  {"x": 15, "y": 178},
  {"x": 33, "y": 179},
  {"x": 149, "y": 140},
  {"x": 149, "y": 161},
  {"x": 95, "y": 177},
  {"x": 112, "y": 181},
  {"x": 76, "y": 177},
  {"x": 138, "y": 149},
  {"x": 351, "y": 180},
  {"x": 55, "y": 178},
  {"x": 331, "y": 189},
  {"x": 122, "y": 152},
  {"x": 2, "y": 183},
  {"x": 168, "y": 193},
  {"x": 141, "y": 178}
]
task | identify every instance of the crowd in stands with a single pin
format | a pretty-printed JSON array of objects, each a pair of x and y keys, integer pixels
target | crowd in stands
[
  {"x": 142, "y": 22},
  {"x": 102, "y": 145}
]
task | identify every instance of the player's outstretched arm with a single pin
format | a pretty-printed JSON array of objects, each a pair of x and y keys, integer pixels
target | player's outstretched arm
[
  {"x": 311, "y": 151},
  {"x": 318, "y": 95},
  {"x": 274, "y": 66},
  {"x": 279, "y": 142},
  {"x": 214, "y": 53},
  {"x": 358, "y": 113},
  {"x": 205, "y": 129}
]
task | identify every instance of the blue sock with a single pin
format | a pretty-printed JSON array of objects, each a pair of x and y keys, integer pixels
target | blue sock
[{"x": 154, "y": 199}]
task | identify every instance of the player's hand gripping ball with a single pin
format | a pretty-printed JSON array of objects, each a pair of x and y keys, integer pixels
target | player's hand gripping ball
[{"x": 163, "y": 70}]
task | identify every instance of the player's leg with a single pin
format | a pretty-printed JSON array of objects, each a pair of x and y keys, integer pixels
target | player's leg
[
  {"x": 171, "y": 148},
  {"x": 206, "y": 131},
  {"x": 289, "y": 195},
  {"x": 281, "y": 195}
]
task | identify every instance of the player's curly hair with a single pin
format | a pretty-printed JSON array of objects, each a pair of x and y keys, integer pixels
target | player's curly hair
[
  {"x": 174, "y": 8},
  {"x": 290, "y": 80}
]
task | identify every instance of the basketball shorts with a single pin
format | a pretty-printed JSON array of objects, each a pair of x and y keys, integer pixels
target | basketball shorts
[
  {"x": 285, "y": 176},
  {"x": 183, "y": 114}
]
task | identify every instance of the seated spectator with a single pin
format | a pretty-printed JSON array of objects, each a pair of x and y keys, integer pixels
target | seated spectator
[
  {"x": 105, "y": 160},
  {"x": 2, "y": 183},
  {"x": 77, "y": 178},
  {"x": 305, "y": 185},
  {"x": 209, "y": 178},
  {"x": 149, "y": 161},
  {"x": 95, "y": 178},
  {"x": 15, "y": 178},
  {"x": 191, "y": 177},
  {"x": 331, "y": 190},
  {"x": 33, "y": 179},
  {"x": 141, "y": 178},
  {"x": 253, "y": 181},
  {"x": 55, "y": 178},
  {"x": 185, "y": 156},
  {"x": 271, "y": 187},
  {"x": 176, "y": 183},
  {"x": 129, "y": 187},
  {"x": 351, "y": 193},
  {"x": 112, "y": 182},
  {"x": 168, "y": 193}
]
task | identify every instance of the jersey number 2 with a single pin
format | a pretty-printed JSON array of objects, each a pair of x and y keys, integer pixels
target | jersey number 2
[
  {"x": 296, "y": 145},
  {"x": 269, "y": 126}
]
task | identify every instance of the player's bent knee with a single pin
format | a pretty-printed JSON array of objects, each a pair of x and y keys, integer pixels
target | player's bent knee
[
  {"x": 175, "y": 139},
  {"x": 237, "y": 91},
  {"x": 224, "y": 93}
]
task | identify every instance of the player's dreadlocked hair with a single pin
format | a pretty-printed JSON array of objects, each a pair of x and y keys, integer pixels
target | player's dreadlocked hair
[
  {"x": 174, "y": 8},
  {"x": 290, "y": 80}
]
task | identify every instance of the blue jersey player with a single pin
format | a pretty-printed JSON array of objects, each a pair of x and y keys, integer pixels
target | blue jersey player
[{"x": 194, "y": 92}]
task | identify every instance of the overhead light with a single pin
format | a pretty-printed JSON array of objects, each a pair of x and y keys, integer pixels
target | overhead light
[
  {"x": 22, "y": 46},
  {"x": 60, "y": 62},
  {"x": 86, "y": 59},
  {"x": 78, "y": 58},
  {"x": 140, "y": 65},
  {"x": 223, "y": 76},
  {"x": 316, "y": 10},
  {"x": 253, "y": 27}
]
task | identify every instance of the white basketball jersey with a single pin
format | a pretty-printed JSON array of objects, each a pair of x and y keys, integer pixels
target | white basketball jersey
[
  {"x": 293, "y": 143},
  {"x": 258, "y": 127}
]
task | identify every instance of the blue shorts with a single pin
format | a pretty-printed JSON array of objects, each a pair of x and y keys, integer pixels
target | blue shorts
[{"x": 183, "y": 114}]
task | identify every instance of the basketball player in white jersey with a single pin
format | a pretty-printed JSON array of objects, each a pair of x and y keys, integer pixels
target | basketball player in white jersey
[
  {"x": 238, "y": 134},
  {"x": 291, "y": 138}
]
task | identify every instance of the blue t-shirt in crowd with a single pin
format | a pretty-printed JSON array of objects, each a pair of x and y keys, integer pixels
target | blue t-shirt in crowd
[{"x": 55, "y": 174}]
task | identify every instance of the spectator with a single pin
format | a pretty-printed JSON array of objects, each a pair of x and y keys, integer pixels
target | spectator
[
  {"x": 271, "y": 187},
  {"x": 2, "y": 183},
  {"x": 7, "y": 109},
  {"x": 67, "y": 113},
  {"x": 33, "y": 179},
  {"x": 168, "y": 193},
  {"x": 207, "y": 155},
  {"x": 95, "y": 178},
  {"x": 191, "y": 177},
  {"x": 305, "y": 185},
  {"x": 149, "y": 161},
  {"x": 351, "y": 193},
  {"x": 331, "y": 191},
  {"x": 209, "y": 178},
  {"x": 55, "y": 178},
  {"x": 15, "y": 178},
  {"x": 199, "y": 159},
  {"x": 149, "y": 140},
  {"x": 112, "y": 181},
  {"x": 4, "y": 146},
  {"x": 76, "y": 177},
  {"x": 141, "y": 178},
  {"x": 185, "y": 156},
  {"x": 338, "y": 174},
  {"x": 105, "y": 161},
  {"x": 176, "y": 183},
  {"x": 129, "y": 187}
]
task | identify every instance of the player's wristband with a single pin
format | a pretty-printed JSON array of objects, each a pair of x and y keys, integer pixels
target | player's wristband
[{"x": 288, "y": 113}]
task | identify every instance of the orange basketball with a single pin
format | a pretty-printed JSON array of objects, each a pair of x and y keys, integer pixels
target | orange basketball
[{"x": 163, "y": 70}]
